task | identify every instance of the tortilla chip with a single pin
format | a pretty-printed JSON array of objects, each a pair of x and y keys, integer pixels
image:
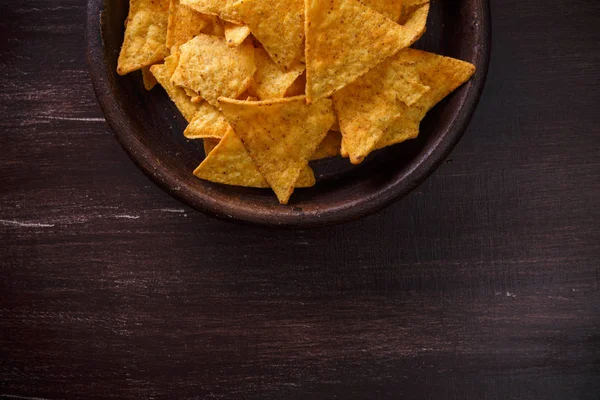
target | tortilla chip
[
  {"x": 414, "y": 17},
  {"x": 270, "y": 82},
  {"x": 229, "y": 163},
  {"x": 390, "y": 8},
  {"x": 209, "y": 145},
  {"x": 409, "y": 7},
  {"x": 163, "y": 73},
  {"x": 278, "y": 26},
  {"x": 145, "y": 35},
  {"x": 338, "y": 53},
  {"x": 148, "y": 78},
  {"x": 216, "y": 28},
  {"x": 329, "y": 147},
  {"x": 367, "y": 107},
  {"x": 442, "y": 74},
  {"x": 220, "y": 8},
  {"x": 185, "y": 23},
  {"x": 280, "y": 135},
  {"x": 212, "y": 69},
  {"x": 297, "y": 88},
  {"x": 194, "y": 97},
  {"x": 235, "y": 34},
  {"x": 402, "y": 129},
  {"x": 406, "y": 82},
  {"x": 208, "y": 122}
]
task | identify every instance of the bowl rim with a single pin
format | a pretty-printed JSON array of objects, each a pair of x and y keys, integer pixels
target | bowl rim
[{"x": 420, "y": 168}]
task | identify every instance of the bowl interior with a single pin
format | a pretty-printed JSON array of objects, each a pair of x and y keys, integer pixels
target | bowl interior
[{"x": 151, "y": 129}]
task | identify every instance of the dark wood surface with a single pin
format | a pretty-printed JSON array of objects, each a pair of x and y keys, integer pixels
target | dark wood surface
[{"x": 484, "y": 283}]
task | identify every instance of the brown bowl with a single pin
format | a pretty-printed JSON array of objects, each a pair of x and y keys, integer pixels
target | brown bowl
[{"x": 150, "y": 129}]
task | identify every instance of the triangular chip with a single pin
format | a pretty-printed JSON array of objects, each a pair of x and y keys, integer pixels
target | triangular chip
[
  {"x": 442, "y": 74},
  {"x": 195, "y": 97},
  {"x": 390, "y": 8},
  {"x": 278, "y": 26},
  {"x": 410, "y": 7},
  {"x": 367, "y": 107},
  {"x": 212, "y": 69},
  {"x": 404, "y": 128},
  {"x": 280, "y": 135},
  {"x": 270, "y": 82},
  {"x": 148, "y": 79},
  {"x": 185, "y": 23},
  {"x": 163, "y": 73},
  {"x": 221, "y": 8},
  {"x": 329, "y": 147},
  {"x": 145, "y": 35},
  {"x": 235, "y": 34},
  {"x": 229, "y": 163},
  {"x": 208, "y": 122},
  {"x": 344, "y": 40}
]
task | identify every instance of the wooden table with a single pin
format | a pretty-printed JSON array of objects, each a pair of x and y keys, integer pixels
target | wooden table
[{"x": 484, "y": 283}]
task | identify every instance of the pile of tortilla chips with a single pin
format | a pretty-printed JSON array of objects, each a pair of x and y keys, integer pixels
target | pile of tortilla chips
[{"x": 270, "y": 85}]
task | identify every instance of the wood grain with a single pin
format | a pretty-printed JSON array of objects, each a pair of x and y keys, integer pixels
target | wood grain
[{"x": 483, "y": 283}]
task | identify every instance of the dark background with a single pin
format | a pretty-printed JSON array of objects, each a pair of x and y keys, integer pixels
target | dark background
[{"x": 484, "y": 283}]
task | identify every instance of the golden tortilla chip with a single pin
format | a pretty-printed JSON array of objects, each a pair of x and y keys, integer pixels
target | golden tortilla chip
[
  {"x": 212, "y": 69},
  {"x": 414, "y": 17},
  {"x": 442, "y": 74},
  {"x": 409, "y": 7},
  {"x": 221, "y": 8},
  {"x": 390, "y": 8},
  {"x": 367, "y": 107},
  {"x": 406, "y": 83},
  {"x": 148, "y": 78},
  {"x": 163, "y": 73},
  {"x": 404, "y": 128},
  {"x": 280, "y": 135},
  {"x": 216, "y": 28},
  {"x": 208, "y": 122},
  {"x": 185, "y": 24},
  {"x": 194, "y": 97},
  {"x": 278, "y": 26},
  {"x": 338, "y": 53},
  {"x": 145, "y": 35},
  {"x": 270, "y": 82},
  {"x": 329, "y": 147},
  {"x": 235, "y": 34},
  {"x": 209, "y": 145},
  {"x": 297, "y": 88},
  {"x": 229, "y": 163}
]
